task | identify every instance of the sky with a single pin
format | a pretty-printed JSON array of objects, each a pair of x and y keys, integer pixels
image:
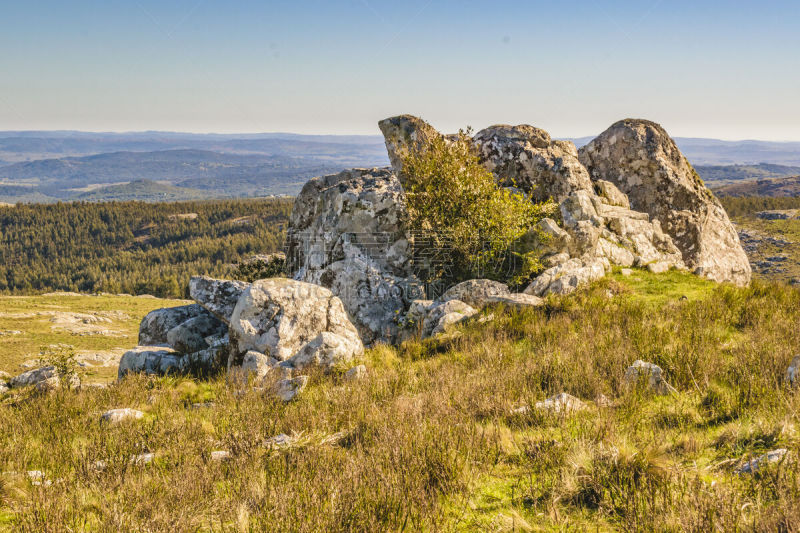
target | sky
[{"x": 702, "y": 68}]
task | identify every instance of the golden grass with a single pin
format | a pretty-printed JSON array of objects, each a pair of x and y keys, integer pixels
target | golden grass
[{"x": 428, "y": 442}]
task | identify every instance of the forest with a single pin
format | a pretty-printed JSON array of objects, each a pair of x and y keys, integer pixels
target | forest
[{"x": 132, "y": 247}]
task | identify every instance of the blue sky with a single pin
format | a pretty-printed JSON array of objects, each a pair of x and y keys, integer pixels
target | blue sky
[{"x": 701, "y": 68}]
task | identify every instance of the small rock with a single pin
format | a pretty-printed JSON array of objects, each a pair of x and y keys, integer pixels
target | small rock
[
  {"x": 356, "y": 373},
  {"x": 38, "y": 478},
  {"x": 602, "y": 401},
  {"x": 626, "y": 272},
  {"x": 203, "y": 405},
  {"x": 115, "y": 416},
  {"x": 281, "y": 440},
  {"x": 655, "y": 380},
  {"x": 793, "y": 372},
  {"x": 143, "y": 458},
  {"x": 754, "y": 464},
  {"x": 562, "y": 402},
  {"x": 287, "y": 389},
  {"x": 658, "y": 267},
  {"x": 221, "y": 455},
  {"x": 45, "y": 379}
]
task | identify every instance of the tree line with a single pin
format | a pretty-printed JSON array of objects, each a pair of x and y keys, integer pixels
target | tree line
[{"x": 133, "y": 247}]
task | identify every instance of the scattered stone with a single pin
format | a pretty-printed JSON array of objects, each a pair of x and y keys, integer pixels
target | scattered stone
[
  {"x": 154, "y": 360},
  {"x": 356, "y": 373},
  {"x": 143, "y": 459},
  {"x": 115, "y": 416},
  {"x": 626, "y": 272},
  {"x": 203, "y": 405},
  {"x": 641, "y": 370},
  {"x": 10, "y": 332},
  {"x": 218, "y": 296},
  {"x": 287, "y": 389},
  {"x": 442, "y": 315},
  {"x": 516, "y": 301},
  {"x": 280, "y": 441},
  {"x": 38, "y": 478},
  {"x": 753, "y": 465},
  {"x": 44, "y": 379},
  {"x": 221, "y": 455},
  {"x": 476, "y": 293},
  {"x": 561, "y": 403},
  {"x": 793, "y": 372},
  {"x": 567, "y": 277},
  {"x": 659, "y": 267}
]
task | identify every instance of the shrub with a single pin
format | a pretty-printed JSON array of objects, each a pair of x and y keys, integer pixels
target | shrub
[{"x": 463, "y": 223}]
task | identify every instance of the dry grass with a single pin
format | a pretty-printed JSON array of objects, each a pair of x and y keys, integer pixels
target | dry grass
[{"x": 429, "y": 441}]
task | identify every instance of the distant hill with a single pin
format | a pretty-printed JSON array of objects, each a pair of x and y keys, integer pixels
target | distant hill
[
  {"x": 765, "y": 187},
  {"x": 142, "y": 190},
  {"x": 220, "y": 174},
  {"x": 705, "y": 152},
  {"x": 724, "y": 174}
]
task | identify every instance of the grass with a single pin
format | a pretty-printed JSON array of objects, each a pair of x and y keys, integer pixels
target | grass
[
  {"x": 429, "y": 442},
  {"x": 33, "y": 316},
  {"x": 788, "y": 230}
]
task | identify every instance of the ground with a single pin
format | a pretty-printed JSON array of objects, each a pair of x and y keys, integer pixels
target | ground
[
  {"x": 773, "y": 247},
  {"x": 98, "y": 329},
  {"x": 433, "y": 438}
]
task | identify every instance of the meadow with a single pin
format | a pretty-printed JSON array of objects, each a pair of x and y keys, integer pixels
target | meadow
[{"x": 433, "y": 439}]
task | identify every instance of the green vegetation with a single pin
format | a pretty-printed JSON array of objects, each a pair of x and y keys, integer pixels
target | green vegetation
[
  {"x": 132, "y": 247},
  {"x": 456, "y": 207},
  {"x": 429, "y": 441}
]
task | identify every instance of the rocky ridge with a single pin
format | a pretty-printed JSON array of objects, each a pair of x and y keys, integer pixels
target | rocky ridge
[{"x": 627, "y": 199}]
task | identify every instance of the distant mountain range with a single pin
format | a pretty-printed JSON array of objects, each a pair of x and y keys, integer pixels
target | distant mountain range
[{"x": 68, "y": 165}]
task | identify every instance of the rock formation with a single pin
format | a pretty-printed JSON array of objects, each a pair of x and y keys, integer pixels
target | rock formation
[
  {"x": 644, "y": 163},
  {"x": 348, "y": 233},
  {"x": 599, "y": 229}
]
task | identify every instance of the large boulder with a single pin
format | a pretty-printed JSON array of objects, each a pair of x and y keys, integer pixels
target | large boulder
[
  {"x": 348, "y": 233},
  {"x": 527, "y": 158},
  {"x": 645, "y": 163},
  {"x": 218, "y": 296},
  {"x": 598, "y": 223},
  {"x": 156, "y": 324},
  {"x": 191, "y": 336},
  {"x": 292, "y": 321}
]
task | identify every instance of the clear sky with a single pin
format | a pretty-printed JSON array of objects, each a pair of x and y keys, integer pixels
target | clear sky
[{"x": 706, "y": 68}]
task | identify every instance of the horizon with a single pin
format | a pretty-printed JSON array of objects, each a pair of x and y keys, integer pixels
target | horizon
[
  {"x": 702, "y": 71},
  {"x": 376, "y": 136}
]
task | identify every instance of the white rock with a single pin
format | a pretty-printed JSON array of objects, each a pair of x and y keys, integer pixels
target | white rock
[
  {"x": 654, "y": 376},
  {"x": 770, "y": 457},
  {"x": 793, "y": 372},
  {"x": 561, "y": 403},
  {"x": 288, "y": 389},
  {"x": 356, "y": 373},
  {"x": 115, "y": 416},
  {"x": 221, "y": 455}
]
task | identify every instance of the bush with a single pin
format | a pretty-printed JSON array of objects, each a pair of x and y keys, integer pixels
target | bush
[{"x": 463, "y": 223}]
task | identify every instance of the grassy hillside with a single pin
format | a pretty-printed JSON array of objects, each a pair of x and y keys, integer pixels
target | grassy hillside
[
  {"x": 97, "y": 329},
  {"x": 430, "y": 441}
]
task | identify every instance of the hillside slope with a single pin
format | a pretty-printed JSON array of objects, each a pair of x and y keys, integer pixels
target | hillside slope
[
  {"x": 444, "y": 435},
  {"x": 788, "y": 186}
]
